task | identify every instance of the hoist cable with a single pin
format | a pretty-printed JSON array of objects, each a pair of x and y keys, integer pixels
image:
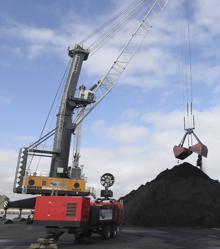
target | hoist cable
[
  {"x": 182, "y": 68},
  {"x": 116, "y": 21},
  {"x": 114, "y": 28},
  {"x": 189, "y": 52},
  {"x": 62, "y": 81},
  {"x": 106, "y": 37},
  {"x": 50, "y": 110},
  {"x": 54, "y": 99},
  {"x": 189, "y": 123},
  {"x": 187, "y": 65},
  {"x": 109, "y": 22}
]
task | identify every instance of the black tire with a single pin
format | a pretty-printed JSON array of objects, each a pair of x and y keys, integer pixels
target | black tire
[
  {"x": 106, "y": 232},
  {"x": 114, "y": 231},
  {"x": 54, "y": 233},
  {"x": 79, "y": 238},
  {"x": 88, "y": 234}
]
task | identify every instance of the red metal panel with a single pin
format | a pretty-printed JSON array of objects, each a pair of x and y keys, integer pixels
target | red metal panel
[
  {"x": 61, "y": 208},
  {"x": 85, "y": 209}
]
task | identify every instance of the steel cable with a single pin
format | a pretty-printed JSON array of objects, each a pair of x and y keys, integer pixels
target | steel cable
[
  {"x": 113, "y": 27},
  {"x": 108, "y": 22},
  {"x": 49, "y": 113}
]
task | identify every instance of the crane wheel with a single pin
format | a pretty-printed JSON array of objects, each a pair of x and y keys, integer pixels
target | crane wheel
[
  {"x": 54, "y": 233},
  {"x": 114, "y": 231},
  {"x": 106, "y": 232},
  {"x": 79, "y": 238},
  {"x": 88, "y": 234}
]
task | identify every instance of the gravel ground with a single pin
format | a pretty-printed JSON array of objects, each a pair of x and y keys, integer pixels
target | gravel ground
[{"x": 17, "y": 236}]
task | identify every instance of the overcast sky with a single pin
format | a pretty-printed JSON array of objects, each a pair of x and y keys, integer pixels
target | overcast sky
[{"x": 132, "y": 132}]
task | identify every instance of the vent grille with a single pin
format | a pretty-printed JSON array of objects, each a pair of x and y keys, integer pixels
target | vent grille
[{"x": 71, "y": 209}]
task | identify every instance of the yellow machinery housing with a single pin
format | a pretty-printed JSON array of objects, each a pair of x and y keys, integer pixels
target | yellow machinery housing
[{"x": 48, "y": 185}]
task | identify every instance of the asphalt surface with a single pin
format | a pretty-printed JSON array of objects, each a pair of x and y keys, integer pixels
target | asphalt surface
[{"x": 16, "y": 236}]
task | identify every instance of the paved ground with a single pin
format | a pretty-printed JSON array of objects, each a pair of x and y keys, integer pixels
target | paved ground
[{"x": 20, "y": 237}]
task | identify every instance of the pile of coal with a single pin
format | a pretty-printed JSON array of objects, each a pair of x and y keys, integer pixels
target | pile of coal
[{"x": 181, "y": 196}]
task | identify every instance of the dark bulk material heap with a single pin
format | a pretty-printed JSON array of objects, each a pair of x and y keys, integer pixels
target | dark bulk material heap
[{"x": 181, "y": 196}]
